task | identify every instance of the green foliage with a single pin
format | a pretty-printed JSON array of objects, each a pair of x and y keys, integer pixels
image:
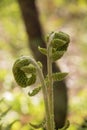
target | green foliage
[
  {"x": 56, "y": 41},
  {"x": 43, "y": 50},
  {"x": 57, "y": 55},
  {"x": 59, "y": 76},
  {"x": 35, "y": 91}
]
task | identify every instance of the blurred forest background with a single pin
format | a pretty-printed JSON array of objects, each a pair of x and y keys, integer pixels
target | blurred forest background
[{"x": 17, "y": 109}]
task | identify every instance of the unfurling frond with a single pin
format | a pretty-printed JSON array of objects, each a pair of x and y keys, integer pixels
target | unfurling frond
[
  {"x": 42, "y": 50},
  {"x": 35, "y": 91},
  {"x": 59, "y": 76}
]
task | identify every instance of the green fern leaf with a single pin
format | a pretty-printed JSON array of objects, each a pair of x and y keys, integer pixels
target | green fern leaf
[
  {"x": 29, "y": 69},
  {"x": 62, "y": 36},
  {"x": 57, "y": 55},
  {"x": 42, "y": 50},
  {"x": 56, "y": 43},
  {"x": 59, "y": 76},
  {"x": 34, "y": 92},
  {"x": 62, "y": 48}
]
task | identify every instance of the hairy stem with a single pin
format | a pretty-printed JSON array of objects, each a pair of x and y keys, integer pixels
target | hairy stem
[
  {"x": 50, "y": 86},
  {"x": 45, "y": 93}
]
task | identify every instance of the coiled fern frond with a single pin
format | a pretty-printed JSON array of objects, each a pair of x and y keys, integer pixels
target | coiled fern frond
[
  {"x": 24, "y": 72},
  {"x": 59, "y": 42}
]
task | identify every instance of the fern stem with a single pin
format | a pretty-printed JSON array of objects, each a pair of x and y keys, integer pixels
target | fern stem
[
  {"x": 50, "y": 85},
  {"x": 45, "y": 93}
]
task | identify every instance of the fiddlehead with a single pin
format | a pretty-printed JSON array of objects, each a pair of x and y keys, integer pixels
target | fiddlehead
[
  {"x": 59, "y": 42},
  {"x": 24, "y": 72}
]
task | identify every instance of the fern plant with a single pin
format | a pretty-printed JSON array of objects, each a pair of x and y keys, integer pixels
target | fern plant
[{"x": 26, "y": 69}]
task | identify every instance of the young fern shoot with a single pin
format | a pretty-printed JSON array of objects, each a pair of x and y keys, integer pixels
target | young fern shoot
[{"x": 57, "y": 43}]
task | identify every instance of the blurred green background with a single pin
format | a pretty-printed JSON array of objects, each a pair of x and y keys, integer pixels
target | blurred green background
[{"x": 66, "y": 15}]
